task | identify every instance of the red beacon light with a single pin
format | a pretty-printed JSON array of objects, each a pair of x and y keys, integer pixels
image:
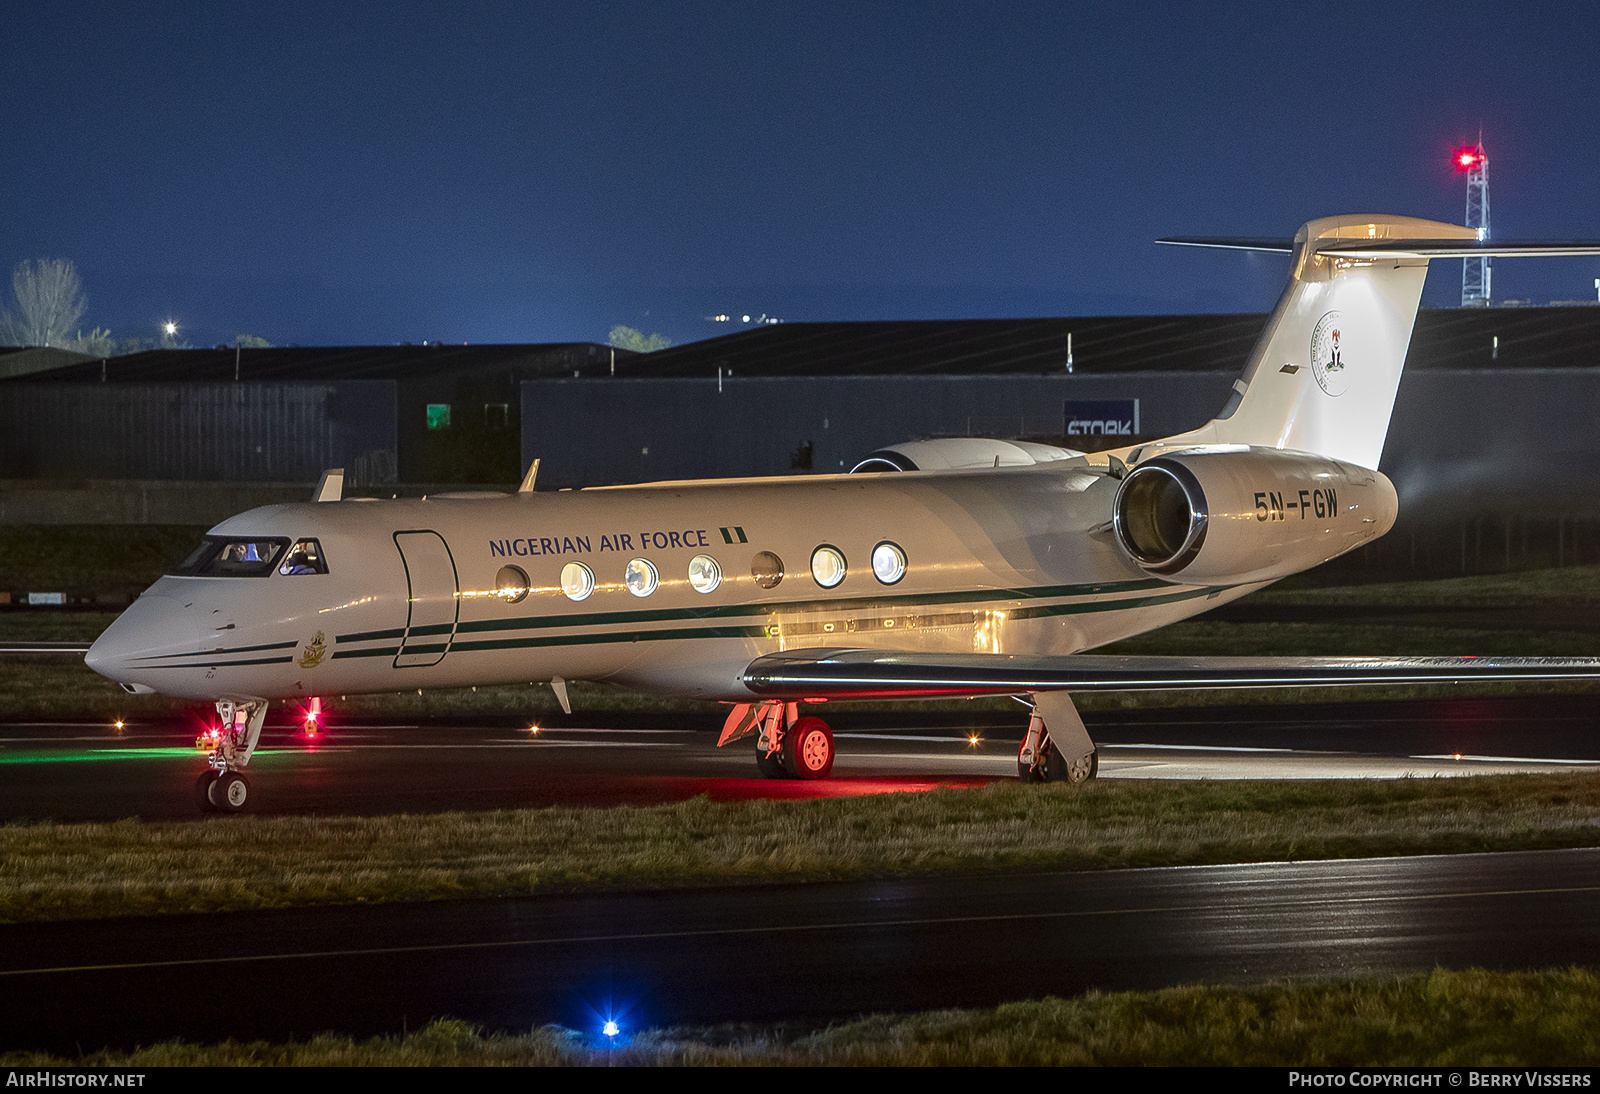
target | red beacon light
[
  {"x": 313, "y": 718},
  {"x": 1467, "y": 158}
]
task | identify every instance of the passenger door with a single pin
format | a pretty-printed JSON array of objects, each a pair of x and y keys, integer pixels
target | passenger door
[{"x": 433, "y": 601}]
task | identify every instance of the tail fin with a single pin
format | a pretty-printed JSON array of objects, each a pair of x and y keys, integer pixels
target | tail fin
[{"x": 1323, "y": 376}]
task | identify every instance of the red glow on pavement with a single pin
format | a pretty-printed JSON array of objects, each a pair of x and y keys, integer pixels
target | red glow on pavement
[{"x": 728, "y": 790}]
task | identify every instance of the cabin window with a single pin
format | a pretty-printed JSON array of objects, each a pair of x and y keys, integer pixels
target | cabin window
[
  {"x": 511, "y": 584},
  {"x": 827, "y": 566},
  {"x": 229, "y": 556},
  {"x": 704, "y": 573},
  {"x": 888, "y": 562},
  {"x": 641, "y": 577},
  {"x": 305, "y": 557},
  {"x": 767, "y": 569},
  {"x": 577, "y": 581}
]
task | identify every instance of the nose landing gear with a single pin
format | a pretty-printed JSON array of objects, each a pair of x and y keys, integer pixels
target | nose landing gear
[{"x": 223, "y": 787}]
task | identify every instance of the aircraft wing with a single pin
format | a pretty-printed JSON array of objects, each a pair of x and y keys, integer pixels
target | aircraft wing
[{"x": 889, "y": 674}]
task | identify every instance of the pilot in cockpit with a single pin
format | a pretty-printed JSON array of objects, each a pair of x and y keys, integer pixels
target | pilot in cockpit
[{"x": 303, "y": 558}]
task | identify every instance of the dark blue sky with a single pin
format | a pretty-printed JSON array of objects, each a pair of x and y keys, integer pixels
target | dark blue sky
[{"x": 527, "y": 172}]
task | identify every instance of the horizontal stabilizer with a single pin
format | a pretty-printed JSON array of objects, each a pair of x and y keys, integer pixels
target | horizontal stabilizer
[
  {"x": 1456, "y": 248},
  {"x": 885, "y": 674},
  {"x": 1226, "y": 243},
  {"x": 1403, "y": 248}
]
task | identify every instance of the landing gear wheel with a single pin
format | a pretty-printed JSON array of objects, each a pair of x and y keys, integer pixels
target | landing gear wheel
[
  {"x": 808, "y": 749},
  {"x": 1049, "y": 769},
  {"x": 202, "y": 789},
  {"x": 770, "y": 766},
  {"x": 230, "y": 792}
]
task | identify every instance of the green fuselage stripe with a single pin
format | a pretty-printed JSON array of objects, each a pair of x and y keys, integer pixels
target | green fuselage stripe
[
  {"x": 663, "y": 615},
  {"x": 674, "y": 634},
  {"x": 531, "y": 641}
]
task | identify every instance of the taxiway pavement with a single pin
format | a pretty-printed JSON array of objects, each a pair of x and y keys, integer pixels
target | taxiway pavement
[{"x": 91, "y": 771}]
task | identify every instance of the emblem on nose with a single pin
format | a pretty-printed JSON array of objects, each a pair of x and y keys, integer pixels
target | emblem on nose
[{"x": 315, "y": 651}]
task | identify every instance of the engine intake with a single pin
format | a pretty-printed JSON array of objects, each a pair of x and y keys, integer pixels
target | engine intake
[{"x": 1161, "y": 516}]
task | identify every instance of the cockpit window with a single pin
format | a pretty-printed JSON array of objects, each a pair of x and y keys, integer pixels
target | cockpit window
[
  {"x": 305, "y": 557},
  {"x": 226, "y": 556}
]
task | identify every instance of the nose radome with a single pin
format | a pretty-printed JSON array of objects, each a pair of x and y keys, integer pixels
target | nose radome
[{"x": 153, "y": 626}]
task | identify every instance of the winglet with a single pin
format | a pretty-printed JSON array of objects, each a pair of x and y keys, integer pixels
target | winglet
[
  {"x": 529, "y": 479},
  {"x": 331, "y": 487}
]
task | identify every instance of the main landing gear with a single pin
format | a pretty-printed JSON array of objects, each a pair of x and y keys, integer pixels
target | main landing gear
[
  {"x": 787, "y": 745},
  {"x": 222, "y": 787},
  {"x": 1057, "y": 747}
]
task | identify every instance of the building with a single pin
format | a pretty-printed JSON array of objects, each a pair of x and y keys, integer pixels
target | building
[{"x": 1494, "y": 426}]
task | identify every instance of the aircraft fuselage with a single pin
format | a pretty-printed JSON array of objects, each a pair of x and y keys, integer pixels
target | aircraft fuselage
[{"x": 425, "y": 594}]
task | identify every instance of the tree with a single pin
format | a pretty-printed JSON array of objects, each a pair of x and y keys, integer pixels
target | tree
[
  {"x": 628, "y": 338},
  {"x": 49, "y": 303},
  {"x": 97, "y": 343},
  {"x": 251, "y": 341}
]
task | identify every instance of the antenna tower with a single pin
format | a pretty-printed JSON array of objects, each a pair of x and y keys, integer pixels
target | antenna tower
[{"x": 1475, "y": 272}]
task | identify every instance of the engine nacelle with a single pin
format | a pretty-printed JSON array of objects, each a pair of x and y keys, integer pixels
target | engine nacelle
[{"x": 1247, "y": 515}]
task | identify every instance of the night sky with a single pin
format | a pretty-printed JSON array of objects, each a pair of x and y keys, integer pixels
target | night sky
[{"x": 331, "y": 174}]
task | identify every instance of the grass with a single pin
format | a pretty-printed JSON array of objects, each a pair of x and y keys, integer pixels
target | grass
[
  {"x": 1471, "y": 1018},
  {"x": 131, "y": 867},
  {"x": 1566, "y": 587}
]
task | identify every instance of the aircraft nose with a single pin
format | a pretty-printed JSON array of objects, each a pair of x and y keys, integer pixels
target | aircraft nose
[{"x": 134, "y": 644}]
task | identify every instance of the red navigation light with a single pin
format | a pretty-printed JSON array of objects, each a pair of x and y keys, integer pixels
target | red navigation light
[
  {"x": 1466, "y": 158},
  {"x": 313, "y": 716}
]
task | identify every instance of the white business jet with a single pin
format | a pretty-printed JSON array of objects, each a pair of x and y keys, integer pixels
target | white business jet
[{"x": 963, "y": 567}]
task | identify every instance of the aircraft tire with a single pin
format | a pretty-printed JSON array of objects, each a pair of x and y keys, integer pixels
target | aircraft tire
[
  {"x": 808, "y": 749},
  {"x": 202, "y": 790},
  {"x": 1051, "y": 768},
  {"x": 1039, "y": 772},
  {"x": 771, "y": 767},
  {"x": 1084, "y": 770},
  {"x": 231, "y": 792}
]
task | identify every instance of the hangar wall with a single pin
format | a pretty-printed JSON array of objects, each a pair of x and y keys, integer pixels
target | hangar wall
[
  {"x": 592, "y": 432},
  {"x": 1515, "y": 441},
  {"x": 221, "y": 432}
]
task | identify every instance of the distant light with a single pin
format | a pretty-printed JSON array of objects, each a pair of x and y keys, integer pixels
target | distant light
[
  {"x": 118, "y": 724},
  {"x": 1466, "y": 158},
  {"x": 973, "y": 740},
  {"x": 170, "y": 328},
  {"x": 533, "y": 729},
  {"x": 747, "y": 319},
  {"x": 610, "y": 1028}
]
